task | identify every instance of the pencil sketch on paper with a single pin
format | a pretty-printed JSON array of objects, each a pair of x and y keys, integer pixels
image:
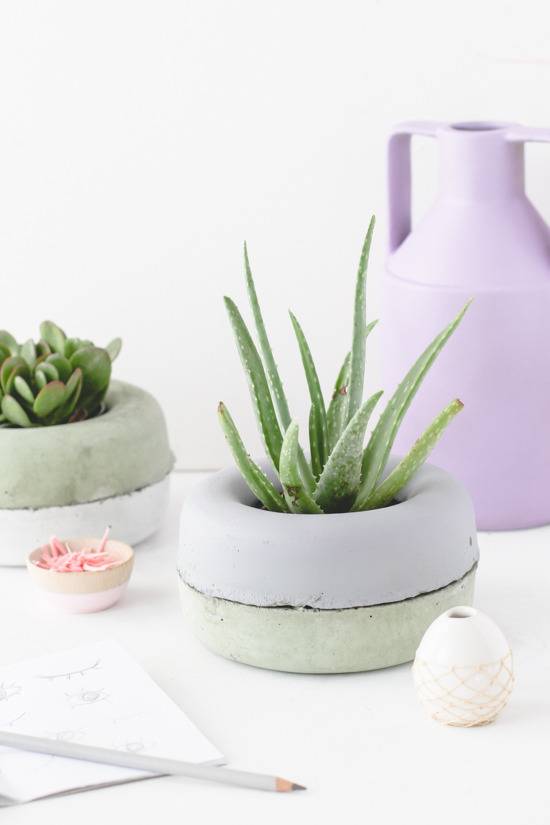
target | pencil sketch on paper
[
  {"x": 8, "y": 690},
  {"x": 51, "y": 677},
  {"x": 86, "y": 697}
]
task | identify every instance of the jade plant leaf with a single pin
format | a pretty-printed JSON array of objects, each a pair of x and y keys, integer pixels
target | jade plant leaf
[
  {"x": 257, "y": 382},
  {"x": 61, "y": 364},
  {"x": 254, "y": 476},
  {"x": 96, "y": 369},
  {"x": 49, "y": 397},
  {"x": 48, "y": 370},
  {"x": 113, "y": 348},
  {"x": 14, "y": 412},
  {"x": 341, "y": 477},
  {"x": 54, "y": 336},
  {"x": 12, "y": 366},
  {"x": 296, "y": 494},
  {"x": 8, "y": 342},
  {"x": 407, "y": 467},
  {"x": 28, "y": 352},
  {"x": 23, "y": 389}
]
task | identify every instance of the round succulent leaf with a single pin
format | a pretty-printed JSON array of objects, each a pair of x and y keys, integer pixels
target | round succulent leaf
[
  {"x": 12, "y": 366},
  {"x": 28, "y": 352},
  {"x": 49, "y": 398},
  {"x": 40, "y": 379},
  {"x": 43, "y": 349},
  {"x": 23, "y": 390},
  {"x": 113, "y": 348},
  {"x": 71, "y": 346},
  {"x": 49, "y": 371},
  {"x": 8, "y": 341},
  {"x": 14, "y": 412},
  {"x": 96, "y": 369},
  {"x": 73, "y": 389},
  {"x": 54, "y": 336},
  {"x": 4, "y": 353},
  {"x": 61, "y": 364}
]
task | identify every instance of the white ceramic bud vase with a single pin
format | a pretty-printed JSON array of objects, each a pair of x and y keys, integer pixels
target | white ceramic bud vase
[{"x": 463, "y": 668}]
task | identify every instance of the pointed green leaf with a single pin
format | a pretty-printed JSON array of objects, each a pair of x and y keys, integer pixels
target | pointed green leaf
[
  {"x": 256, "y": 479},
  {"x": 257, "y": 382},
  {"x": 14, "y": 412},
  {"x": 341, "y": 477},
  {"x": 337, "y": 413},
  {"x": 273, "y": 376},
  {"x": 378, "y": 449},
  {"x": 297, "y": 497},
  {"x": 318, "y": 416},
  {"x": 23, "y": 389},
  {"x": 54, "y": 336},
  {"x": 113, "y": 348},
  {"x": 49, "y": 397},
  {"x": 357, "y": 368},
  {"x": 407, "y": 467},
  {"x": 28, "y": 352}
]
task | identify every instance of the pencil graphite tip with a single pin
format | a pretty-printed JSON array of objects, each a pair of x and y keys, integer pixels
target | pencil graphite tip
[{"x": 285, "y": 785}]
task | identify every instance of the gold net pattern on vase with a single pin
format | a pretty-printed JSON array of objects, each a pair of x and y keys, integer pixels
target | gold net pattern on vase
[{"x": 464, "y": 696}]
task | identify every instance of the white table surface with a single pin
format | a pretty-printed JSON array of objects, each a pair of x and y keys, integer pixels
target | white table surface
[{"x": 360, "y": 742}]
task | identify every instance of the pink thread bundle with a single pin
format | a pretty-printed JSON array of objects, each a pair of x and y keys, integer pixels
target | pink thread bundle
[{"x": 59, "y": 557}]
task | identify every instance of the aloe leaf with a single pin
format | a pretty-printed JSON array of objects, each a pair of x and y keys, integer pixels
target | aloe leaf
[
  {"x": 28, "y": 352},
  {"x": 49, "y": 397},
  {"x": 257, "y": 382},
  {"x": 337, "y": 413},
  {"x": 378, "y": 449},
  {"x": 62, "y": 365},
  {"x": 23, "y": 389},
  {"x": 407, "y": 467},
  {"x": 318, "y": 427},
  {"x": 296, "y": 494},
  {"x": 273, "y": 376},
  {"x": 341, "y": 477},
  {"x": 8, "y": 342},
  {"x": 256, "y": 479},
  {"x": 113, "y": 348},
  {"x": 360, "y": 332},
  {"x": 11, "y": 367},
  {"x": 14, "y": 412}
]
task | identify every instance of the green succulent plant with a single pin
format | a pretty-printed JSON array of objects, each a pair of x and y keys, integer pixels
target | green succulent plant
[
  {"x": 56, "y": 380},
  {"x": 342, "y": 473}
]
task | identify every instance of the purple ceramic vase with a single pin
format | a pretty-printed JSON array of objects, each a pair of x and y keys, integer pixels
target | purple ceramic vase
[{"x": 481, "y": 239}]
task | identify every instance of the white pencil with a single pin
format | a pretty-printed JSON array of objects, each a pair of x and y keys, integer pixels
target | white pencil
[{"x": 142, "y": 762}]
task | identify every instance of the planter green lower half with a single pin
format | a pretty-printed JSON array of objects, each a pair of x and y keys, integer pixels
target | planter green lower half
[{"x": 306, "y": 640}]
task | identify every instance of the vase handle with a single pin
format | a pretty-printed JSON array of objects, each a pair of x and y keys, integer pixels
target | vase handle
[{"x": 399, "y": 176}]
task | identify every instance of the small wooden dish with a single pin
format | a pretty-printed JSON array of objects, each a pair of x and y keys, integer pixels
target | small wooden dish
[{"x": 84, "y": 591}]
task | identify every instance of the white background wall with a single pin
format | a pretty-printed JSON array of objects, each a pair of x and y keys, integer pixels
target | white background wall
[{"x": 141, "y": 142}]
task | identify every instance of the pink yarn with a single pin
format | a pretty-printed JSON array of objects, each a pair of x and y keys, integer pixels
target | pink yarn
[{"x": 59, "y": 557}]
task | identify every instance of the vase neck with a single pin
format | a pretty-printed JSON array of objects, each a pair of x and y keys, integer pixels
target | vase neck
[{"x": 477, "y": 162}]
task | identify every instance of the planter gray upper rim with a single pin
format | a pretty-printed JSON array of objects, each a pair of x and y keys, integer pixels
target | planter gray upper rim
[
  {"x": 116, "y": 453},
  {"x": 231, "y": 549}
]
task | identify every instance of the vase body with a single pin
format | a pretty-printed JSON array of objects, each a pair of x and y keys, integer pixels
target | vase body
[
  {"x": 463, "y": 668},
  {"x": 481, "y": 239}
]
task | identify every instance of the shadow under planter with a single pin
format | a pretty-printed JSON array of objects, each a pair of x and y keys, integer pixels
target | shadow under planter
[
  {"x": 75, "y": 479},
  {"x": 330, "y": 593}
]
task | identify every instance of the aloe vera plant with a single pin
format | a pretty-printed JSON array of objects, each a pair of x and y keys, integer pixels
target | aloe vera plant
[
  {"x": 343, "y": 474},
  {"x": 56, "y": 380}
]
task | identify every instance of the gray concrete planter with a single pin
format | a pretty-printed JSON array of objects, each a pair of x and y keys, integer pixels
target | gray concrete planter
[
  {"x": 74, "y": 479},
  {"x": 324, "y": 594}
]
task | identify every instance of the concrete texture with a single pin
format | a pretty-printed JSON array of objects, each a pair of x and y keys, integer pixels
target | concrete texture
[
  {"x": 305, "y": 640},
  {"x": 116, "y": 453}
]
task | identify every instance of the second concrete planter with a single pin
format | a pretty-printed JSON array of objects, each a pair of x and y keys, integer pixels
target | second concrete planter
[{"x": 329, "y": 593}]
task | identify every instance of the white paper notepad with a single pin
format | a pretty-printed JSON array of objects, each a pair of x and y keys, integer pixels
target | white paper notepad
[{"x": 97, "y": 695}]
